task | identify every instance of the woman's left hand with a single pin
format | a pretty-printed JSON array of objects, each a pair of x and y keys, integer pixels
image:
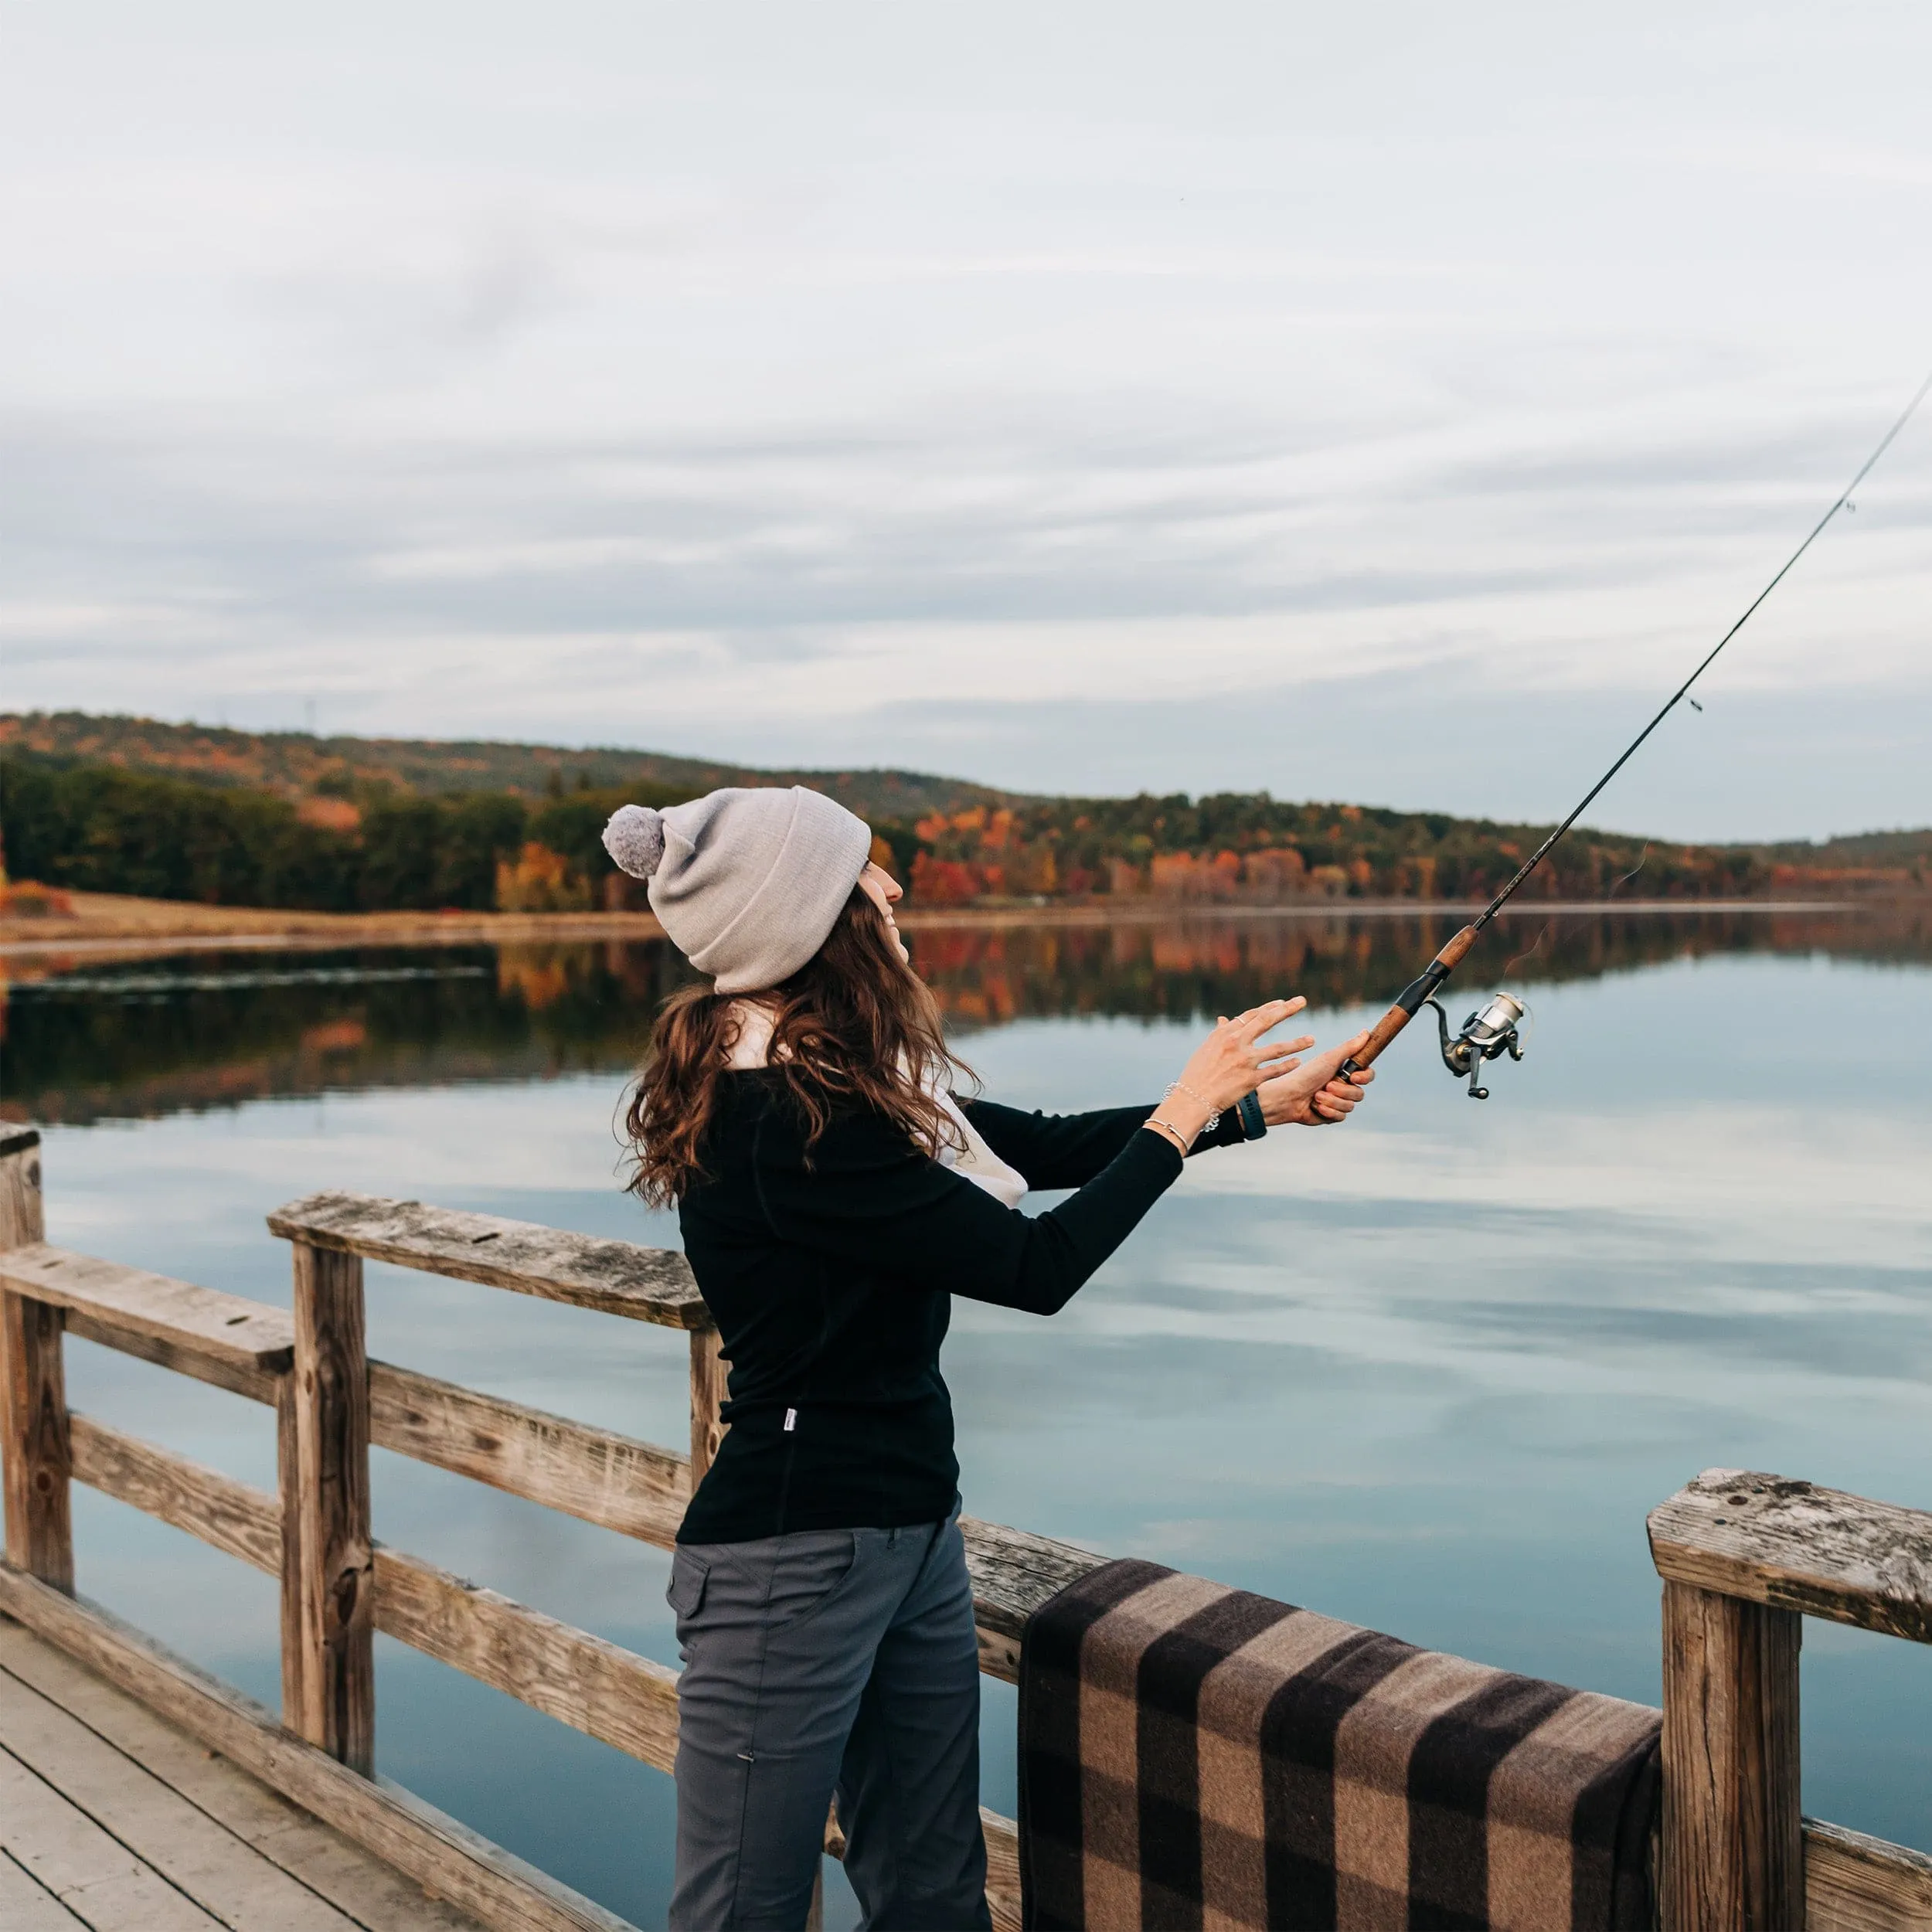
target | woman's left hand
[{"x": 1312, "y": 1095}]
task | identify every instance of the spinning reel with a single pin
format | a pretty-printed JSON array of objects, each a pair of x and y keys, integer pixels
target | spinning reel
[{"x": 1486, "y": 1035}]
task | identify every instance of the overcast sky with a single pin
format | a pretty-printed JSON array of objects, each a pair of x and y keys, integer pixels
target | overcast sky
[{"x": 1385, "y": 403}]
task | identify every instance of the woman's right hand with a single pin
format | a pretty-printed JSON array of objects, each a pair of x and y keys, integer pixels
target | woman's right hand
[{"x": 1232, "y": 1061}]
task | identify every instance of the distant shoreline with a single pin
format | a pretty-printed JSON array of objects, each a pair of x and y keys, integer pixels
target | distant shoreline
[{"x": 106, "y": 924}]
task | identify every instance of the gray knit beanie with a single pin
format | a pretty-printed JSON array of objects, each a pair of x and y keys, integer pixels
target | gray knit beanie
[{"x": 748, "y": 883}]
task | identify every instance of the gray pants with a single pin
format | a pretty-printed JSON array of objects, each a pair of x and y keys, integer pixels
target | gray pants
[{"x": 829, "y": 1661}]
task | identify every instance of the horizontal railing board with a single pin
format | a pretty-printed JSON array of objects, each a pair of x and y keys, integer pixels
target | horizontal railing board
[
  {"x": 222, "y": 1328},
  {"x": 617, "y": 1278},
  {"x": 1014, "y": 1572},
  {"x": 445, "y": 1857},
  {"x": 1768, "y": 1539},
  {"x": 255, "y": 1385},
  {"x": 598, "y": 1475},
  {"x": 1854, "y": 1883},
  {"x": 236, "y": 1518},
  {"x": 598, "y": 1688},
  {"x": 595, "y": 1474}
]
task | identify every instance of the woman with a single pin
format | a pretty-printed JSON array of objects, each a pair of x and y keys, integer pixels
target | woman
[{"x": 834, "y": 1194}]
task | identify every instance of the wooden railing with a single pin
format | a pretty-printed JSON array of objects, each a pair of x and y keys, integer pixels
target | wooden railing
[
  {"x": 338, "y": 1585},
  {"x": 1743, "y": 1556}
]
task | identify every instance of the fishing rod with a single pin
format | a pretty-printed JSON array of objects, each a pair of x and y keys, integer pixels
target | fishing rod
[{"x": 1491, "y": 1031}]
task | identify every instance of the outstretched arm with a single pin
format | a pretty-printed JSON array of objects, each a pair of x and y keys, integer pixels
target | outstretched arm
[
  {"x": 1067, "y": 1150},
  {"x": 865, "y": 1194}
]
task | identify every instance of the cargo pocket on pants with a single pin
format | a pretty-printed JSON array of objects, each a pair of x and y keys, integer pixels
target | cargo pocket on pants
[{"x": 685, "y": 1592}]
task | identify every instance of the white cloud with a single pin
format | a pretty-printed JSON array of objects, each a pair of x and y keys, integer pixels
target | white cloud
[{"x": 790, "y": 371}]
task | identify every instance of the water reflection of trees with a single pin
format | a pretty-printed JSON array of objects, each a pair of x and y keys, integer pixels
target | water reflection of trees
[
  {"x": 162, "y": 1036},
  {"x": 988, "y": 976},
  {"x": 169, "y": 1035}
]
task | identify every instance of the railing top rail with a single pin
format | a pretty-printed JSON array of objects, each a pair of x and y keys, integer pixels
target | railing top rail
[
  {"x": 1770, "y": 1540},
  {"x": 616, "y": 1277},
  {"x": 1014, "y": 1572},
  {"x": 238, "y": 1335}
]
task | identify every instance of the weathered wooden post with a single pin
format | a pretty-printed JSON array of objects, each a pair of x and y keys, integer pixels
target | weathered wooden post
[
  {"x": 709, "y": 1371},
  {"x": 330, "y": 1681},
  {"x": 288, "y": 1481},
  {"x": 1733, "y": 1853},
  {"x": 34, "y": 1447}
]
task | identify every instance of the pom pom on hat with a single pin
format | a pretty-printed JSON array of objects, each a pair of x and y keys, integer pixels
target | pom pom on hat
[
  {"x": 748, "y": 880},
  {"x": 634, "y": 839}
]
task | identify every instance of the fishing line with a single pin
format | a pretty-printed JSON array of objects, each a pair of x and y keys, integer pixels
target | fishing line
[
  {"x": 1617, "y": 886},
  {"x": 1509, "y": 965},
  {"x": 1492, "y": 1030},
  {"x": 1536, "y": 858}
]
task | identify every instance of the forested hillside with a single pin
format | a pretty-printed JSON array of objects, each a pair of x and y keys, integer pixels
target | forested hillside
[
  {"x": 228, "y": 818},
  {"x": 294, "y": 765}
]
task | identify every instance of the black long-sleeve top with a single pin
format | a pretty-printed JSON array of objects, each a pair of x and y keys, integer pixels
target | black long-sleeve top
[{"x": 830, "y": 1273}]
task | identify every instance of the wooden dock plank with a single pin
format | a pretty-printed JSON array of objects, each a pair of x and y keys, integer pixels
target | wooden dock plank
[
  {"x": 440, "y": 1853},
  {"x": 229, "y": 1879},
  {"x": 618, "y": 1278},
  {"x": 222, "y": 1328},
  {"x": 373, "y": 1894},
  {"x": 83, "y": 1867},
  {"x": 27, "y": 1906},
  {"x": 1002, "y": 1869},
  {"x": 1741, "y": 1532}
]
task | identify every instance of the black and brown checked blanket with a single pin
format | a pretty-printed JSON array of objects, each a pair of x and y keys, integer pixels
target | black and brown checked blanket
[{"x": 1193, "y": 1757}]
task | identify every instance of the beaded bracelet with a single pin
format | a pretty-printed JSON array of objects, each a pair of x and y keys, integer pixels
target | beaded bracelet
[{"x": 1181, "y": 1087}]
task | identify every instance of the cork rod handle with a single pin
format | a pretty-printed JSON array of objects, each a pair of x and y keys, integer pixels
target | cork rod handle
[{"x": 1409, "y": 1002}]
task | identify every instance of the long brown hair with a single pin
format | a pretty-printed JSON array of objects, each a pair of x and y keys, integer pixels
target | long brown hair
[{"x": 855, "y": 1026}]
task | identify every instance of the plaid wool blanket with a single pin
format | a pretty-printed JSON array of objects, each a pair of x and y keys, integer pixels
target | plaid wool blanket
[{"x": 1195, "y": 1756}]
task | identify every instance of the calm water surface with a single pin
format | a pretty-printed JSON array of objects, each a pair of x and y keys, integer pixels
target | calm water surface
[{"x": 1426, "y": 1373}]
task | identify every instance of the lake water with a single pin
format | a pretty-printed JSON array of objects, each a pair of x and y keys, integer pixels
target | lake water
[{"x": 1426, "y": 1373}]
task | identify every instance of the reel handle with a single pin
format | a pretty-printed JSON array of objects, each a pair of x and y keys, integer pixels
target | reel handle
[{"x": 1409, "y": 1002}]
